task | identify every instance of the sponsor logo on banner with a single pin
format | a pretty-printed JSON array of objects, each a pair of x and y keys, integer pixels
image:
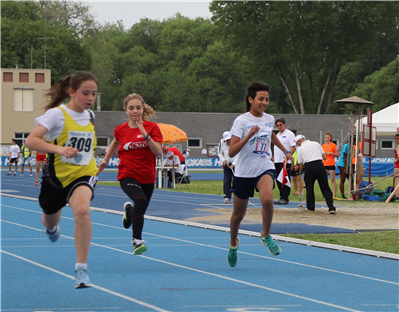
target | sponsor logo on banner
[
  {"x": 380, "y": 160},
  {"x": 194, "y": 162}
]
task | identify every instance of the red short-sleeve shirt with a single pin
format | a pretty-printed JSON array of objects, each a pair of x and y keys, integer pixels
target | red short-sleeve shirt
[{"x": 136, "y": 158}]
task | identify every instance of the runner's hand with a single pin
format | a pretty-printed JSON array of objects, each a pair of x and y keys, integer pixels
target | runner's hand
[
  {"x": 289, "y": 156},
  {"x": 68, "y": 152},
  {"x": 102, "y": 166}
]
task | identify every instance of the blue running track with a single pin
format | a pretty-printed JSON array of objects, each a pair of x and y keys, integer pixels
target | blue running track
[{"x": 185, "y": 267}]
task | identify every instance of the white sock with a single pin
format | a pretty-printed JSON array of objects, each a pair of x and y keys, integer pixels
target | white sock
[
  {"x": 51, "y": 231},
  {"x": 81, "y": 265}
]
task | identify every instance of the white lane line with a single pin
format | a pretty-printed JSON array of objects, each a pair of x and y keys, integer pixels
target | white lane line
[
  {"x": 224, "y": 249},
  {"x": 150, "y": 306},
  {"x": 152, "y": 199},
  {"x": 196, "y": 196},
  {"x": 253, "y": 285},
  {"x": 178, "y": 266},
  {"x": 139, "y": 302}
]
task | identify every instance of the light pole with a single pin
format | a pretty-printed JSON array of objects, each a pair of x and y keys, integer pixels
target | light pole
[
  {"x": 98, "y": 102},
  {"x": 45, "y": 39}
]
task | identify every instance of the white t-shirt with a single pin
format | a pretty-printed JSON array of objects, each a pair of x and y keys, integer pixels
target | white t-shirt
[
  {"x": 14, "y": 150},
  {"x": 287, "y": 138},
  {"x": 309, "y": 151},
  {"x": 255, "y": 156},
  {"x": 223, "y": 152},
  {"x": 54, "y": 121},
  {"x": 173, "y": 162}
]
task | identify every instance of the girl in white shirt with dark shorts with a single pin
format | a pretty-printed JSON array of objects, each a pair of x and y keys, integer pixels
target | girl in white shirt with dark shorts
[{"x": 252, "y": 134}]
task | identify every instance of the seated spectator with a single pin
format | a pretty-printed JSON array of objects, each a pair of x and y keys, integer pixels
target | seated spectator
[
  {"x": 173, "y": 160},
  {"x": 175, "y": 151}
]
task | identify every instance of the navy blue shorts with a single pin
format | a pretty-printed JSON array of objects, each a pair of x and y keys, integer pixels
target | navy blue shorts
[{"x": 244, "y": 188}]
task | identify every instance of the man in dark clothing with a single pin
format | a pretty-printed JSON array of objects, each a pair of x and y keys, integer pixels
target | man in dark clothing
[{"x": 310, "y": 156}]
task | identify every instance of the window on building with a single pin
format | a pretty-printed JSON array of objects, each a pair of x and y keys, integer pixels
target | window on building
[
  {"x": 194, "y": 142},
  {"x": 39, "y": 78},
  {"x": 102, "y": 141},
  {"x": 7, "y": 77},
  {"x": 336, "y": 142},
  {"x": 20, "y": 136},
  {"x": 178, "y": 146},
  {"x": 23, "y": 77},
  {"x": 387, "y": 144},
  {"x": 23, "y": 99}
]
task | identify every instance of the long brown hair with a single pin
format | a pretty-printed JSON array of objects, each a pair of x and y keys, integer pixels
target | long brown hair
[
  {"x": 148, "y": 111},
  {"x": 59, "y": 91}
]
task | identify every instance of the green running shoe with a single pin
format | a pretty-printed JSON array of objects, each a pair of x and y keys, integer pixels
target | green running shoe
[
  {"x": 232, "y": 256},
  {"x": 138, "y": 247},
  {"x": 271, "y": 245}
]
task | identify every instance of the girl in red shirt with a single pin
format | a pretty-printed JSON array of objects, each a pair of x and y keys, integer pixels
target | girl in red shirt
[{"x": 138, "y": 142}]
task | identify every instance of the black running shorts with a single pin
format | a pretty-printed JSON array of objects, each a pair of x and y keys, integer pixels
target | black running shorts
[{"x": 52, "y": 199}]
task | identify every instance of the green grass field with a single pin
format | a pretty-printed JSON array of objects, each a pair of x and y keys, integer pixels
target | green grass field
[{"x": 385, "y": 241}]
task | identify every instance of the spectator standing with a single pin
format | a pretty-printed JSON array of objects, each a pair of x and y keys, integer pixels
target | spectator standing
[
  {"x": 331, "y": 151},
  {"x": 26, "y": 158},
  {"x": 186, "y": 153},
  {"x": 396, "y": 164},
  {"x": 176, "y": 152},
  {"x": 310, "y": 159},
  {"x": 343, "y": 167},
  {"x": 14, "y": 156},
  {"x": 296, "y": 174},
  {"x": 41, "y": 158},
  {"x": 227, "y": 163},
  {"x": 138, "y": 142},
  {"x": 357, "y": 163},
  {"x": 286, "y": 137}
]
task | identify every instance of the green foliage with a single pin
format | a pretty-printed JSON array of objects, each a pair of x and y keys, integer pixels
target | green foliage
[
  {"x": 305, "y": 43},
  {"x": 73, "y": 15},
  {"x": 22, "y": 24},
  {"x": 176, "y": 65},
  {"x": 311, "y": 53},
  {"x": 381, "y": 87}
]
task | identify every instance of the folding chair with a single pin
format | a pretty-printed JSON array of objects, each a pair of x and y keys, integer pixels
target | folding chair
[{"x": 185, "y": 176}]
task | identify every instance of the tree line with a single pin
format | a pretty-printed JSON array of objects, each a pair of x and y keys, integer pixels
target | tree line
[{"x": 311, "y": 53}]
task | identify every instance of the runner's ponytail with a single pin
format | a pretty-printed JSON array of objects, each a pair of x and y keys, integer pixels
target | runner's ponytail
[{"x": 59, "y": 91}]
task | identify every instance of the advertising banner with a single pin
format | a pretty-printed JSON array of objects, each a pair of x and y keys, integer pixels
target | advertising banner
[{"x": 379, "y": 166}]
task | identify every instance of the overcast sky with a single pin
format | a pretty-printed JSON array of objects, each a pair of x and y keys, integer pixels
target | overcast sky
[{"x": 130, "y": 12}]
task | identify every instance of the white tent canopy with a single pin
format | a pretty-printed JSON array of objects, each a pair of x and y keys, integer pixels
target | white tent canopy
[{"x": 386, "y": 120}]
